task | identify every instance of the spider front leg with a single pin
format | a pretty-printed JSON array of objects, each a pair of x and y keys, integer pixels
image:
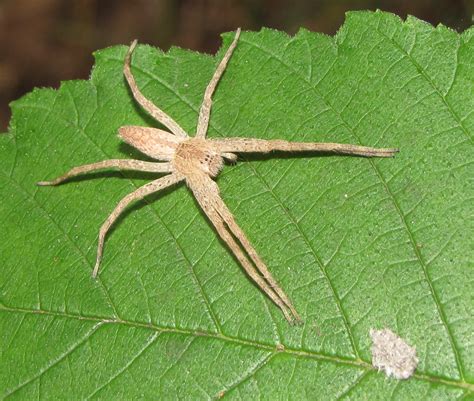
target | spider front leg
[
  {"x": 122, "y": 164},
  {"x": 140, "y": 193},
  {"x": 207, "y": 194},
  {"x": 229, "y": 219},
  {"x": 158, "y": 114},
  {"x": 205, "y": 112},
  {"x": 226, "y": 236},
  {"x": 252, "y": 145}
]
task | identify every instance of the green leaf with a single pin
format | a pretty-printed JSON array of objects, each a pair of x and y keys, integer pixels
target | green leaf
[{"x": 356, "y": 243}]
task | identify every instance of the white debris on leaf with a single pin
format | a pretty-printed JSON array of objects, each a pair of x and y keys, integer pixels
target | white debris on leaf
[{"x": 392, "y": 354}]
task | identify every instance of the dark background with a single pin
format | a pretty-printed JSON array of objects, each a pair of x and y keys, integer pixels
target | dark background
[{"x": 45, "y": 41}]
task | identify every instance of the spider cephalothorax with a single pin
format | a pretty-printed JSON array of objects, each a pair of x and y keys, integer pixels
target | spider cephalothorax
[
  {"x": 197, "y": 160},
  {"x": 195, "y": 156}
]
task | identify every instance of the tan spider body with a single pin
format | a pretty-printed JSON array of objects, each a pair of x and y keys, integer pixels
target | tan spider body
[{"x": 197, "y": 161}]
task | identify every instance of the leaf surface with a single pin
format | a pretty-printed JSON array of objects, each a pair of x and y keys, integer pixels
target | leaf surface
[{"x": 356, "y": 243}]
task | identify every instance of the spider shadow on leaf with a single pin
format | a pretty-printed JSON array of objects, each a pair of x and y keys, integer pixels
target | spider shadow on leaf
[{"x": 280, "y": 155}]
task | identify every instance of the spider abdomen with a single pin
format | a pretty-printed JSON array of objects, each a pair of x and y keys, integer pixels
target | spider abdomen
[{"x": 153, "y": 142}]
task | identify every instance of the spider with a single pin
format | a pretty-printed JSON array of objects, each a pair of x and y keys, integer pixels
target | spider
[{"x": 197, "y": 161}]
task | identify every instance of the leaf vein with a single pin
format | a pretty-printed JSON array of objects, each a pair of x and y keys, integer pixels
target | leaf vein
[
  {"x": 60, "y": 358},
  {"x": 147, "y": 345}
]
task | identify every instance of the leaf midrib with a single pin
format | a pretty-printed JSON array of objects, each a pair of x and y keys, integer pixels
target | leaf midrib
[{"x": 293, "y": 352}]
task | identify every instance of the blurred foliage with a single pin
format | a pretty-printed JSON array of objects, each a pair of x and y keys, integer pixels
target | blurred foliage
[{"x": 45, "y": 41}]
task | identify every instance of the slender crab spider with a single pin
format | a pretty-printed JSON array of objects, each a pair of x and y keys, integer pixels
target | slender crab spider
[{"x": 197, "y": 160}]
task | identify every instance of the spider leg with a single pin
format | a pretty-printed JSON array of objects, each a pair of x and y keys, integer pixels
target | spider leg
[
  {"x": 153, "y": 110},
  {"x": 230, "y": 157},
  {"x": 223, "y": 232},
  {"x": 147, "y": 189},
  {"x": 122, "y": 164},
  {"x": 207, "y": 196},
  {"x": 229, "y": 219},
  {"x": 205, "y": 111},
  {"x": 250, "y": 145}
]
